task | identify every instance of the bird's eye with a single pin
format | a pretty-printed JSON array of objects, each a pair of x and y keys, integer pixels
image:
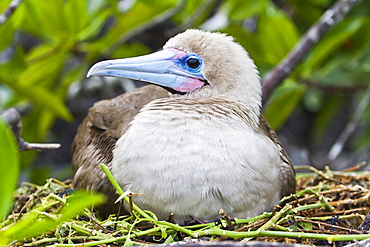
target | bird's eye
[{"x": 193, "y": 63}]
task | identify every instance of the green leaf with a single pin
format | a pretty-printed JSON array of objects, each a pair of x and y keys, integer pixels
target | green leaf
[
  {"x": 34, "y": 223},
  {"x": 128, "y": 242},
  {"x": 189, "y": 8},
  {"x": 76, "y": 15},
  {"x": 16, "y": 64},
  {"x": 293, "y": 227},
  {"x": 164, "y": 232},
  {"x": 33, "y": 81},
  {"x": 283, "y": 101},
  {"x": 332, "y": 43},
  {"x": 169, "y": 240},
  {"x": 309, "y": 12},
  {"x": 241, "y": 9},
  {"x": 44, "y": 18},
  {"x": 94, "y": 26},
  {"x": 248, "y": 40},
  {"x": 9, "y": 168},
  {"x": 131, "y": 50},
  {"x": 45, "y": 63},
  {"x": 142, "y": 13},
  {"x": 6, "y": 34},
  {"x": 313, "y": 99},
  {"x": 325, "y": 116},
  {"x": 307, "y": 226},
  {"x": 4, "y": 4},
  {"x": 277, "y": 35},
  {"x": 43, "y": 97}
]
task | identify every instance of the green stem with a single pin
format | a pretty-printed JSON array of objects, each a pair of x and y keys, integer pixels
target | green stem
[
  {"x": 305, "y": 207},
  {"x": 120, "y": 192},
  {"x": 284, "y": 234},
  {"x": 271, "y": 222},
  {"x": 80, "y": 229},
  {"x": 177, "y": 227},
  {"x": 320, "y": 197},
  {"x": 53, "y": 240},
  {"x": 111, "y": 179},
  {"x": 111, "y": 240},
  {"x": 253, "y": 219}
]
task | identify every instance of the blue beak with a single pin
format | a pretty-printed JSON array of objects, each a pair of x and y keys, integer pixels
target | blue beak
[{"x": 164, "y": 68}]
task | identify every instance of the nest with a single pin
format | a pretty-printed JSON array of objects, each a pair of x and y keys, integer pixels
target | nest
[{"x": 329, "y": 208}]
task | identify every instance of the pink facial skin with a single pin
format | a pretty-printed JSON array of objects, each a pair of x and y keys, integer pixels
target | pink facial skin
[{"x": 187, "y": 84}]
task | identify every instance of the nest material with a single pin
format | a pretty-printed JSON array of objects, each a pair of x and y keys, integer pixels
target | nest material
[{"x": 329, "y": 206}]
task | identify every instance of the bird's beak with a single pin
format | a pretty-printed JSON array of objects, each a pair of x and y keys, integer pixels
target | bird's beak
[{"x": 160, "y": 68}]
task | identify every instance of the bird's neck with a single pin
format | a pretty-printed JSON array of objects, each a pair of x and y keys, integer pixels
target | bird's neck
[{"x": 210, "y": 106}]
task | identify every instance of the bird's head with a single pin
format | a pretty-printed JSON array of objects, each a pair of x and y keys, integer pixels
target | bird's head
[{"x": 195, "y": 64}]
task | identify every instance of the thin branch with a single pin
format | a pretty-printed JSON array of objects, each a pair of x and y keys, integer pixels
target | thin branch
[
  {"x": 331, "y": 17},
  {"x": 14, "y": 120},
  {"x": 9, "y": 11},
  {"x": 337, "y": 147},
  {"x": 365, "y": 225},
  {"x": 26, "y": 146}
]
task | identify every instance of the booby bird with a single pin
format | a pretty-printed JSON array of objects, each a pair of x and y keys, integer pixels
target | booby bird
[{"x": 192, "y": 145}]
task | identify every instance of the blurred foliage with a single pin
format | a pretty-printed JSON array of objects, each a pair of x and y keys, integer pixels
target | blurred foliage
[
  {"x": 9, "y": 168},
  {"x": 48, "y": 45}
]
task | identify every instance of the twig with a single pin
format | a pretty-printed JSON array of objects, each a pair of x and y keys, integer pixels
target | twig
[
  {"x": 351, "y": 201},
  {"x": 321, "y": 198},
  {"x": 9, "y": 11},
  {"x": 337, "y": 147},
  {"x": 13, "y": 118},
  {"x": 332, "y": 16},
  {"x": 365, "y": 225},
  {"x": 26, "y": 146},
  {"x": 330, "y": 225},
  {"x": 346, "y": 214},
  {"x": 227, "y": 219},
  {"x": 355, "y": 167},
  {"x": 318, "y": 172}
]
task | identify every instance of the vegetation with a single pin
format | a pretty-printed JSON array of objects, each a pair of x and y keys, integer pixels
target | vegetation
[
  {"x": 47, "y": 47},
  {"x": 329, "y": 209}
]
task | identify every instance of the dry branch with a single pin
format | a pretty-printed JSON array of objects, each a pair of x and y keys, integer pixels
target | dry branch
[
  {"x": 337, "y": 147},
  {"x": 14, "y": 120},
  {"x": 331, "y": 17},
  {"x": 9, "y": 11}
]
